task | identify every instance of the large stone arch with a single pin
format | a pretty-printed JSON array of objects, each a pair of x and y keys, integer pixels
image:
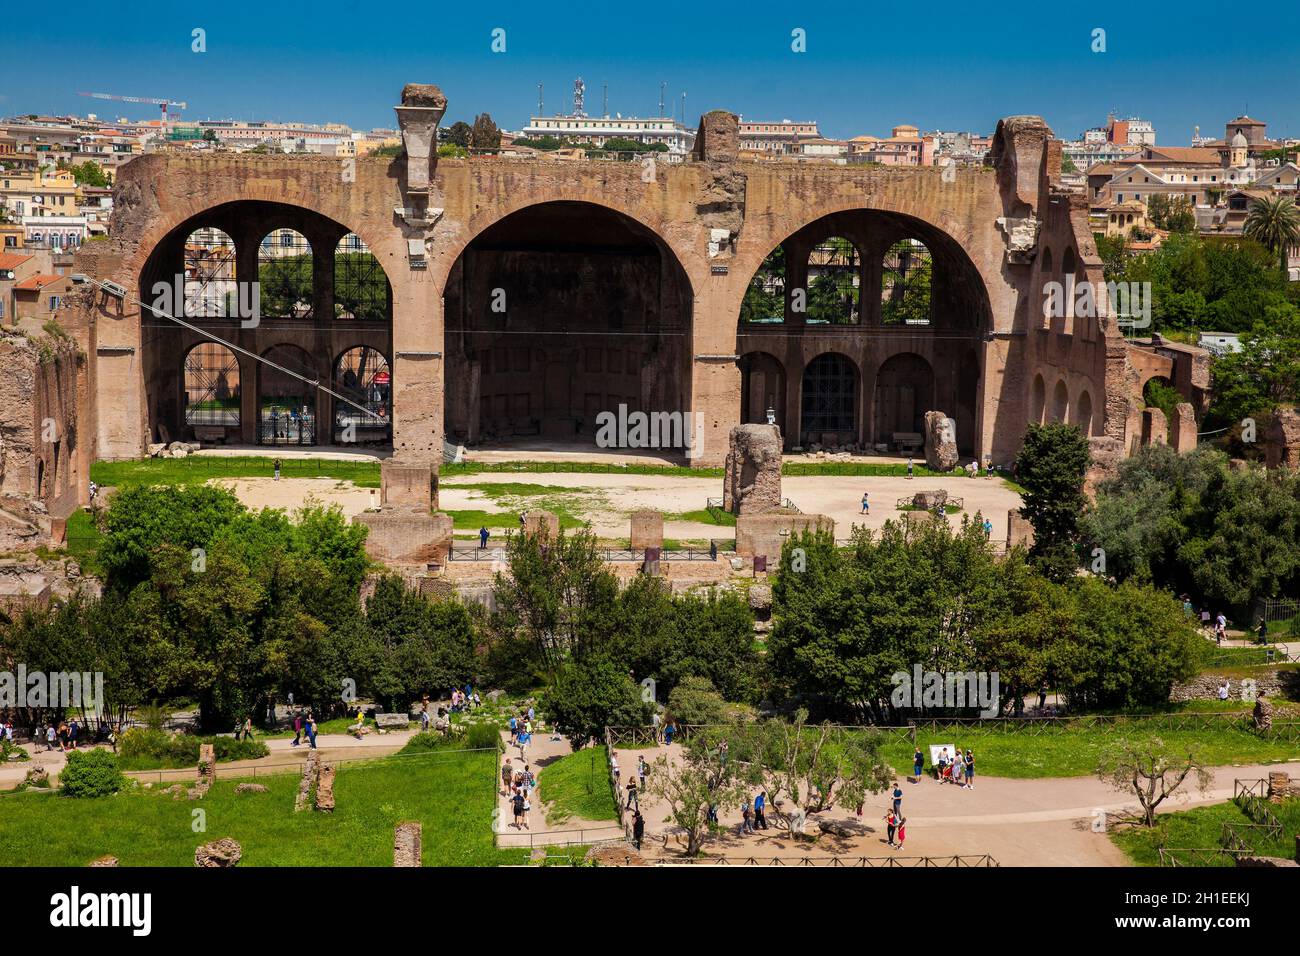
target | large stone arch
[
  {"x": 312, "y": 329},
  {"x": 557, "y": 313}
]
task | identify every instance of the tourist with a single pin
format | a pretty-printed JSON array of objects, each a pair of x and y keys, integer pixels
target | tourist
[
  {"x": 909, "y": 469},
  {"x": 297, "y": 730},
  {"x": 1220, "y": 627},
  {"x": 517, "y": 802},
  {"x": 73, "y": 730},
  {"x": 514, "y": 729},
  {"x": 988, "y": 466},
  {"x": 638, "y": 829},
  {"x": 311, "y": 729},
  {"x": 631, "y": 795},
  {"x": 507, "y": 775},
  {"x": 1042, "y": 696},
  {"x": 657, "y": 723},
  {"x": 746, "y": 819},
  {"x": 1262, "y": 631},
  {"x": 902, "y": 832},
  {"x": 248, "y": 728},
  {"x": 528, "y": 805},
  {"x": 641, "y": 769},
  {"x": 1205, "y": 618},
  {"x": 1225, "y": 690},
  {"x": 713, "y": 814},
  {"x": 669, "y": 731},
  {"x": 973, "y": 469},
  {"x": 969, "y": 768},
  {"x": 988, "y": 528},
  {"x": 891, "y": 824},
  {"x": 898, "y": 798},
  {"x": 918, "y": 764},
  {"x": 760, "y": 808},
  {"x": 277, "y": 469},
  {"x": 866, "y": 505},
  {"x": 483, "y": 537},
  {"x": 51, "y": 735},
  {"x": 613, "y": 766},
  {"x": 424, "y": 715},
  {"x": 63, "y": 735}
]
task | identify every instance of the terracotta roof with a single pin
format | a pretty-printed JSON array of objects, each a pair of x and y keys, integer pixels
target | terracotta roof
[
  {"x": 38, "y": 281},
  {"x": 1186, "y": 154},
  {"x": 12, "y": 260}
]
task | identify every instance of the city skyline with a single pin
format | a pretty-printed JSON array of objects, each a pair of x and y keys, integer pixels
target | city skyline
[{"x": 956, "y": 75}]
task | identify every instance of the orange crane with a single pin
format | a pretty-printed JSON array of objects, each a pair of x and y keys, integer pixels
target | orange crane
[{"x": 138, "y": 99}]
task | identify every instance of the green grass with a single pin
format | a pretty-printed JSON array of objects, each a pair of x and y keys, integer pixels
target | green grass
[
  {"x": 196, "y": 469},
  {"x": 947, "y": 509},
  {"x": 1074, "y": 750},
  {"x": 452, "y": 794},
  {"x": 573, "y": 467},
  {"x": 1202, "y": 828},
  {"x": 84, "y": 541},
  {"x": 715, "y": 516},
  {"x": 577, "y": 785}
]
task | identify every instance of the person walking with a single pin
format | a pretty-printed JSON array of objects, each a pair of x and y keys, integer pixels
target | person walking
[
  {"x": 760, "y": 810},
  {"x": 746, "y": 819},
  {"x": 902, "y": 831},
  {"x": 507, "y": 775},
  {"x": 311, "y": 730},
  {"x": 968, "y": 765},
  {"x": 638, "y": 829},
  {"x": 891, "y": 824},
  {"x": 51, "y": 735},
  {"x": 642, "y": 768},
  {"x": 909, "y": 469},
  {"x": 898, "y": 799},
  {"x": 248, "y": 728},
  {"x": 918, "y": 765},
  {"x": 631, "y": 795},
  {"x": 277, "y": 469},
  {"x": 866, "y": 504},
  {"x": 517, "y": 804},
  {"x": 73, "y": 730},
  {"x": 656, "y": 722}
]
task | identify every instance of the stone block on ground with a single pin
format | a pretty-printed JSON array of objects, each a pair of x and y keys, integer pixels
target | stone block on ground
[
  {"x": 765, "y": 534},
  {"x": 325, "y": 788},
  {"x": 392, "y": 721},
  {"x": 250, "y": 788},
  {"x": 542, "y": 524},
  {"x": 940, "y": 434},
  {"x": 106, "y": 860},
  {"x": 407, "y": 844},
  {"x": 647, "y": 529},
  {"x": 751, "y": 482},
  {"x": 219, "y": 854},
  {"x": 406, "y": 484}
]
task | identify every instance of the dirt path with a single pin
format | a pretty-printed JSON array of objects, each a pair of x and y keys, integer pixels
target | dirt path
[{"x": 1044, "y": 822}]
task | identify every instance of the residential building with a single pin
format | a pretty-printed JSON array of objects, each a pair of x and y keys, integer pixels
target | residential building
[
  {"x": 903, "y": 147},
  {"x": 599, "y": 129},
  {"x": 39, "y": 296},
  {"x": 38, "y": 192},
  {"x": 771, "y": 138}
]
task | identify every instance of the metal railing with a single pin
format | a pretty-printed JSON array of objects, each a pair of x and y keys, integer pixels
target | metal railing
[{"x": 461, "y": 552}]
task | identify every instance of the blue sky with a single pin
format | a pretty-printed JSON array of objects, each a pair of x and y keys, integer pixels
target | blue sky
[{"x": 867, "y": 66}]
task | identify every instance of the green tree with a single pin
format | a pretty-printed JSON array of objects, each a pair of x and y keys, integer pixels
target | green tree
[
  {"x": 484, "y": 134},
  {"x": 1274, "y": 222},
  {"x": 1051, "y": 466},
  {"x": 1152, "y": 771},
  {"x": 589, "y": 695},
  {"x": 458, "y": 133}
]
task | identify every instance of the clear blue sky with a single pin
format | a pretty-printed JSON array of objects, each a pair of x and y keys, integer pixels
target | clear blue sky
[{"x": 867, "y": 66}]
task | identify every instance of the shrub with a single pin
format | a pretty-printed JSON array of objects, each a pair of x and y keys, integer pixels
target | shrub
[
  {"x": 91, "y": 773},
  {"x": 695, "y": 701}
]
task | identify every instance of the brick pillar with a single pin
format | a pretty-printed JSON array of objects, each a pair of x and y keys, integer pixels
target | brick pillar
[{"x": 1184, "y": 427}]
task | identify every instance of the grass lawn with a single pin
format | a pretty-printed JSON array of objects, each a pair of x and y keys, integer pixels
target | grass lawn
[
  {"x": 1074, "y": 751},
  {"x": 577, "y": 786},
  {"x": 84, "y": 540},
  {"x": 1202, "y": 829},
  {"x": 705, "y": 516},
  {"x": 452, "y": 794},
  {"x": 196, "y": 469}
]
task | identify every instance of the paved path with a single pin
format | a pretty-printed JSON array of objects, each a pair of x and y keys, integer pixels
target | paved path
[
  {"x": 282, "y": 755},
  {"x": 539, "y": 754},
  {"x": 1040, "y": 822}
]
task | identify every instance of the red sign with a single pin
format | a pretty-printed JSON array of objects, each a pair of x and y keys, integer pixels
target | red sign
[{"x": 382, "y": 378}]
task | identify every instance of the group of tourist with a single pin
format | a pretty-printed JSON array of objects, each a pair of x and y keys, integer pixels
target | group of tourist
[
  {"x": 304, "y": 725},
  {"x": 64, "y": 734},
  {"x": 521, "y": 729},
  {"x": 464, "y": 700},
  {"x": 955, "y": 768},
  {"x": 519, "y": 786}
]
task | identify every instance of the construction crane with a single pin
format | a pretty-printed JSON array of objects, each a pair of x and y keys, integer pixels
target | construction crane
[{"x": 138, "y": 99}]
